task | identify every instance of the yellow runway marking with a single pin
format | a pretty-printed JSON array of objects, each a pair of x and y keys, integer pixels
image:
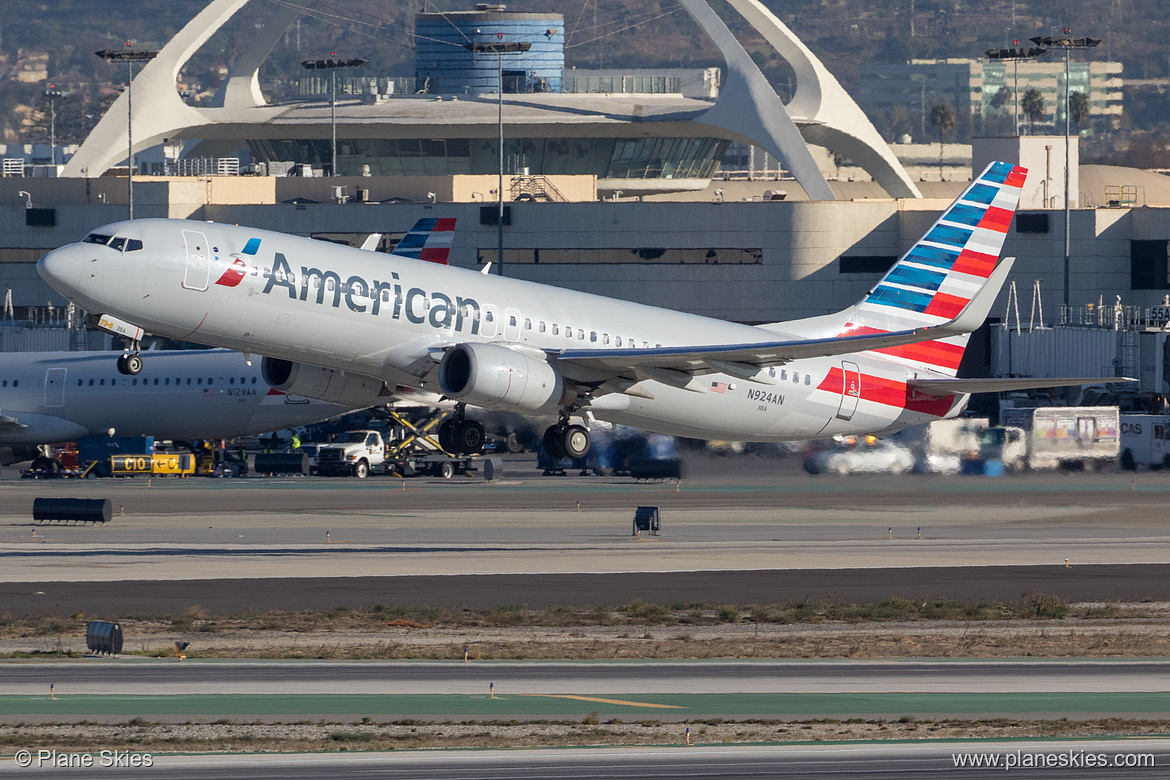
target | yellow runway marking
[{"x": 609, "y": 701}]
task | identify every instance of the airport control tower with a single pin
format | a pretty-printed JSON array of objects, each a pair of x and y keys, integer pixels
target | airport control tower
[{"x": 446, "y": 65}]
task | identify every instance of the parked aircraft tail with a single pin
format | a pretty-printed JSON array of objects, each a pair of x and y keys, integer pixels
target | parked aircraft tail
[{"x": 430, "y": 239}]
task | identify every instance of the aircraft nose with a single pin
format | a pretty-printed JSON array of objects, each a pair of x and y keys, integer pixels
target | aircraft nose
[{"x": 61, "y": 268}]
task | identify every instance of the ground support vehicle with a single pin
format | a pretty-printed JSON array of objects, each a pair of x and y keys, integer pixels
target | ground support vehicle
[{"x": 408, "y": 447}]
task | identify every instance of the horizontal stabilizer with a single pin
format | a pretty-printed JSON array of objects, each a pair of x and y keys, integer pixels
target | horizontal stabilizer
[{"x": 995, "y": 385}]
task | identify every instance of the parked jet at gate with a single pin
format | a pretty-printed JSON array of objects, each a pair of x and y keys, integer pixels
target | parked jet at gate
[
  {"x": 48, "y": 397},
  {"x": 888, "y": 362}
]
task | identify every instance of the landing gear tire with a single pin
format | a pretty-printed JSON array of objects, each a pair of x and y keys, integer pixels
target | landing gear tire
[
  {"x": 469, "y": 437},
  {"x": 567, "y": 441},
  {"x": 575, "y": 441},
  {"x": 130, "y": 365},
  {"x": 552, "y": 443},
  {"x": 447, "y": 436}
]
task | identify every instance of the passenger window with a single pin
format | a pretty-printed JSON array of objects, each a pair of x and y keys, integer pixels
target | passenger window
[
  {"x": 102, "y": 383},
  {"x": 580, "y": 334},
  {"x": 593, "y": 336},
  {"x": 487, "y": 315},
  {"x": 156, "y": 381},
  {"x": 807, "y": 379},
  {"x": 253, "y": 380},
  {"x": 133, "y": 245},
  {"x": 556, "y": 329},
  {"x": 91, "y": 383},
  {"x": 134, "y": 382},
  {"x": 79, "y": 383},
  {"x": 542, "y": 326},
  {"x": 617, "y": 341},
  {"x": 511, "y": 319},
  {"x": 188, "y": 380},
  {"x": 231, "y": 380},
  {"x": 605, "y": 338},
  {"x": 527, "y": 324},
  {"x": 199, "y": 381},
  {"x": 795, "y": 377}
]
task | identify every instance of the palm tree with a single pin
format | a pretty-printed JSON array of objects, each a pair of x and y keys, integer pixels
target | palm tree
[
  {"x": 942, "y": 119},
  {"x": 1078, "y": 107},
  {"x": 1032, "y": 105}
]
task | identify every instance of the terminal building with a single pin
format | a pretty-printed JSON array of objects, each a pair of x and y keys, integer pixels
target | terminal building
[{"x": 622, "y": 196}]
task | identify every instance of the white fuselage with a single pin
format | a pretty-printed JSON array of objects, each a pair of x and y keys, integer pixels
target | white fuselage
[
  {"x": 49, "y": 397},
  {"x": 387, "y": 317}
]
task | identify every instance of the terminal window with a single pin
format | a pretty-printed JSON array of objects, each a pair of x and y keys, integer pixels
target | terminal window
[
  {"x": 867, "y": 264},
  {"x": 1149, "y": 269}
]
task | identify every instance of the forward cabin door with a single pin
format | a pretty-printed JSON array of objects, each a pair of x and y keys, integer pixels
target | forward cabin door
[
  {"x": 851, "y": 391},
  {"x": 198, "y": 267},
  {"x": 55, "y": 387}
]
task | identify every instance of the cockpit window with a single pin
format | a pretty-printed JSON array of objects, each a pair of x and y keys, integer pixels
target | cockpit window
[
  {"x": 133, "y": 245},
  {"x": 117, "y": 243},
  {"x": 96, "y": 238}
]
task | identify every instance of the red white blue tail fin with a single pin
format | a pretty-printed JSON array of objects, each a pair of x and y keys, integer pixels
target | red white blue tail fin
[
  {"x": 940, "y": 274},
  {"x": 430, "y": 239}
]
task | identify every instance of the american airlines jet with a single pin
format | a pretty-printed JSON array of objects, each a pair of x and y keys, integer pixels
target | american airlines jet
[
  {"x": 48, "y": 397},
  {"x": 333, "y": 321}
]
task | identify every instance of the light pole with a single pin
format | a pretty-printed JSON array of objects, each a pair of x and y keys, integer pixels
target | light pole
[
  {"x": 499, "y": 49},
  {"x": 52, "y": 93},
  {"x": 130, "y": 57},
  {"x": 1067, "y": 43},
  {"x": 332, "y": 65},
  {"x": 1016, "y": 54}
]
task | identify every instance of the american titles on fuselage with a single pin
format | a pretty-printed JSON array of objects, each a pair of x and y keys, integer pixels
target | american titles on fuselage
[{"x": 361, "y": 295}]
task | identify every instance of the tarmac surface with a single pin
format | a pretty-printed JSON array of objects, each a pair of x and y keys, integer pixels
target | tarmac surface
[{"x": 742, "y": 530}]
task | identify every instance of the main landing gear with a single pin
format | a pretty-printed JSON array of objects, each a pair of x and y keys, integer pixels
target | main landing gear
[
  {"x": 459, "y": 436},
  {"x": 130, "y": 363},
  {"x": 566, "y": 441}
]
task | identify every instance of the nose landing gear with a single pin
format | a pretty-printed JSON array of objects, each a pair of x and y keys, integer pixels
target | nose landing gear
[{"x": 130, "y": 363}]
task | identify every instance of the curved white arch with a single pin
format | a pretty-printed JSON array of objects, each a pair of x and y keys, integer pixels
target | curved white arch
[
  {"x": 158, "y": 111},
  {"x": 828, "y": 116}
]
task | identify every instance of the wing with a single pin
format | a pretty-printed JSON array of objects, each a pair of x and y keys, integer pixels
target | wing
[{"x": 746, "y": 359}]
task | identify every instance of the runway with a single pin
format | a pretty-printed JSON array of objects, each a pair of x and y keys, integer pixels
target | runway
[
  {"x": 144, "y": 676},
  {"x": 1129, "y": 758},
  {"x": 1004, "y": 583}
]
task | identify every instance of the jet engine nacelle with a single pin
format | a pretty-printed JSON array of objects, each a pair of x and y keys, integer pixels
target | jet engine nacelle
[
  {"x": 496, "y": 377},
  {"x": 355, "y": 391}
]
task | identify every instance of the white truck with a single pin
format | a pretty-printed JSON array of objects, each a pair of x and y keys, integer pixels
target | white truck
[
  {"x": 1144, "y": 441},
  {"x": 1086, "y": 437},
  {"x": 353, "y": 453}
]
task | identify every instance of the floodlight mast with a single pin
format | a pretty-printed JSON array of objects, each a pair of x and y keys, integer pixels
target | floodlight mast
[
  {"x": 499, "y": 48},
  {"x": 332, "y": 65},
  {"x": 1068, "y": 43},
  {"x": 130, "y": 57}
]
